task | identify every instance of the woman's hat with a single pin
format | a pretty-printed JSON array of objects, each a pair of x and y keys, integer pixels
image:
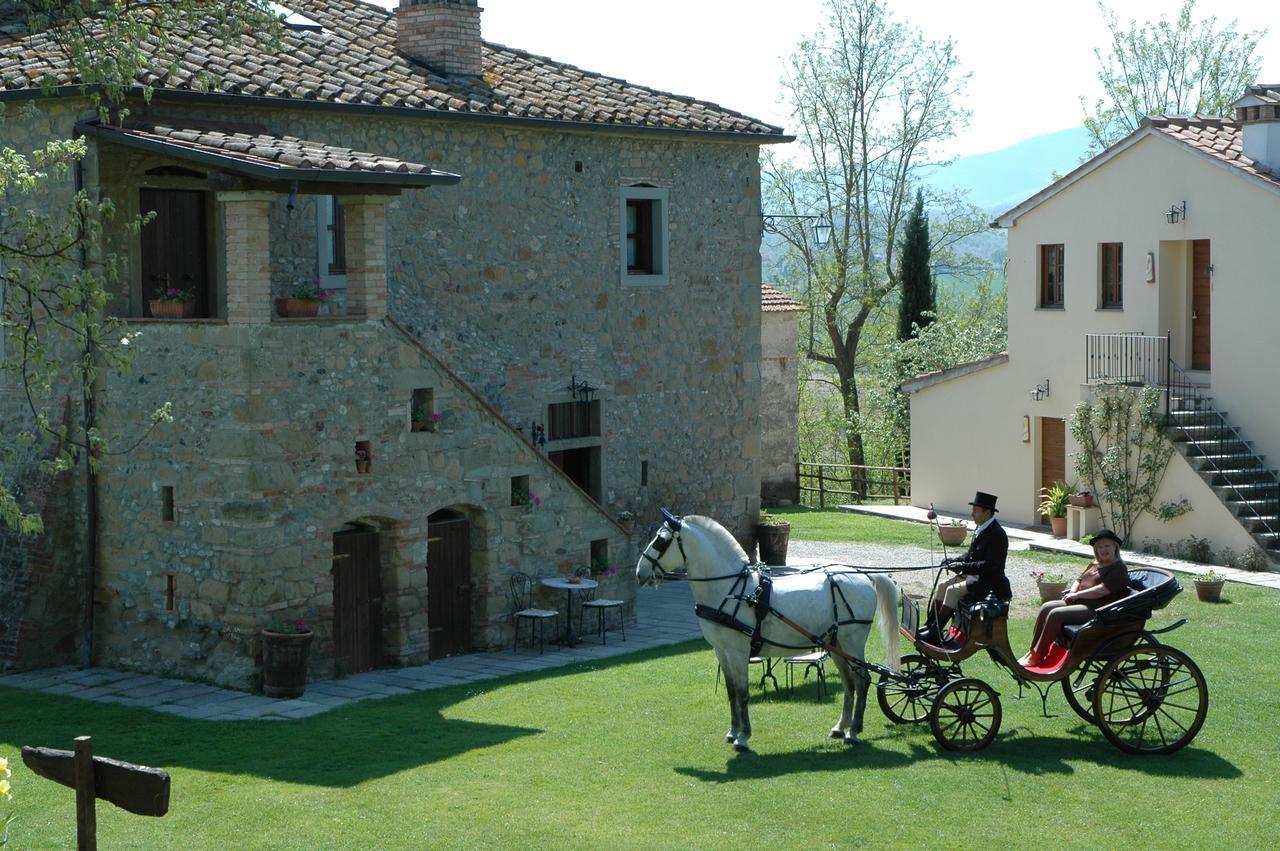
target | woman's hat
[
  {"x": 984, "y": 500},
  {"x": 1106, "y": 534}
]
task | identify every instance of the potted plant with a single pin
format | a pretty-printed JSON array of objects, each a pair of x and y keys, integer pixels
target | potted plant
[
  {"x": 953, "y": 533},
  {"x": 304, "y": 299},
  {"x": 1209, "y": 586},
  {"x": 362, "y": 459},
  {"x": 773, "y": 534},
  {"x": 1053, "y": 504},
  {"x": 627, "y": 520},
  {"x": 1050, "y": 584},
  {"x": 285, "y": 647},
  {"x": 1083, "y": 499},
  {"x": 173, "y": 303},
  {"x": 421, "y": 420}
]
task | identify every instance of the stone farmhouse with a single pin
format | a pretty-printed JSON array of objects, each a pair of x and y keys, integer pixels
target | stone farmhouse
[
  {"x": 545, "y": 310},
  {"x": 1147, "y": 265}
]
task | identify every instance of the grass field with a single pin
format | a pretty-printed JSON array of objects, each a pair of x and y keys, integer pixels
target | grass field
[{"x": 628, "y": 754}]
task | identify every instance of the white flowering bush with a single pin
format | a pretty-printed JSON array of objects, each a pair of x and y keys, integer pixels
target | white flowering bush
[{"x": 4, "y": 796}]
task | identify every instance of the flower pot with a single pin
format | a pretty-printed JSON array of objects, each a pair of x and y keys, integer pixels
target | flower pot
[
  {"x": 301, "y": 307},
  {"x": 953, "y": 536},
  {"x": 1050, "y": 590},
  {"x": 362, "y": 465},
  {"x": 171, "y": 309},
  {"x": 284, "y": 663},
  {"x": 1210, "y": 591},
  {"x": 1081, "y": 500},
  {"x": 1059, "y": 525},
  {"x": 628, "y": 526},
  {"x": 773, "y": 541}
]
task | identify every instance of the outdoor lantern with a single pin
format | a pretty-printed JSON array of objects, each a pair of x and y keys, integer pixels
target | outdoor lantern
[
  {"x": 1175, "y": 212},
  {"x": 1040, "y": 391},
  {"x": 822, "y": 233}
]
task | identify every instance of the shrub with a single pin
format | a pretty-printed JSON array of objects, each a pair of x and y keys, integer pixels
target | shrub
[{"x": 1254, "y": 559}]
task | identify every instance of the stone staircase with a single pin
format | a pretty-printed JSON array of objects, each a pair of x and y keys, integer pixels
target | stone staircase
[{"x": 1228, "y": 463}]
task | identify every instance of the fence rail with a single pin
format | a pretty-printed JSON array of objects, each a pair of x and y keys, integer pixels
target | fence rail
[{"x": 854, "y": 483}]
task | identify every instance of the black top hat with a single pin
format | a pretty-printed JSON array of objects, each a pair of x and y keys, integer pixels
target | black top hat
[
  {"x": 985, "y": 500},
  {"x": 1106, "y": 534}
]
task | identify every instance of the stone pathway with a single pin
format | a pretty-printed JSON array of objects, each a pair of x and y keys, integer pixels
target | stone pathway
[{"x": 664, "y": 614}]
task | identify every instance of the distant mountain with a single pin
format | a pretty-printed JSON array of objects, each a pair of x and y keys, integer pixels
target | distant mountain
[{"x": 1001, "y": 179}]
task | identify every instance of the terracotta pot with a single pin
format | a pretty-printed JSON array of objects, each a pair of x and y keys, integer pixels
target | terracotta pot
[
  {"x": 362, "y": 465},
  {"x": 628, "y": 526},
  {"x": 301, "y": 307},
  {"x": 1081, "y": 500},
  {"x": 1050, "y": 590},
  {"x": 172, "y": 309},
  {"x": 773, "y": 541},
  {"x": 953, "y": 536},
  {"x": 1059, "y": 525},
  {"x": 1209, "y": 591},
  {"x": 284, "y": 663}
]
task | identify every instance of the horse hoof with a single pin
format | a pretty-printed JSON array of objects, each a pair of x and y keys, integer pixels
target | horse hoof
[
  {"x": 851, "y": 740},
  {"x": 728, "y": 738},
  {"x": 836, "y": 733},
  {"x": 741, "y": 748}
]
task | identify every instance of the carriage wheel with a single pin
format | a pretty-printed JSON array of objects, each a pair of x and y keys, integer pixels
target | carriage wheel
[
  {"x": 965, "y": 715},
  {"x": 1081, "y": 696},
  {"x": 909, "y": 702},
  {"x": 1151, "y": 700}
]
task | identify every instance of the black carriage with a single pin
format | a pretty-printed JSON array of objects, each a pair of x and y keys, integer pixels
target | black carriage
[{"x": 1145, "y": 696}]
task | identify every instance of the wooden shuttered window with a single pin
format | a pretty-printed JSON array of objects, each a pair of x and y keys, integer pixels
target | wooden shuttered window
[
  {"x": 1112, "y": 274},
  {"x": 1051, "y": 272}
]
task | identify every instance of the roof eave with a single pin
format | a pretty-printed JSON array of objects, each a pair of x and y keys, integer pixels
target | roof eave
[{"x": 257, "y": 170}]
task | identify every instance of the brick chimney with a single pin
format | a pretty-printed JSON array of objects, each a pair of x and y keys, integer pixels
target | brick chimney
[
  {"x": 444, "y": 35},
  {"x": 1259, "y": 115}
]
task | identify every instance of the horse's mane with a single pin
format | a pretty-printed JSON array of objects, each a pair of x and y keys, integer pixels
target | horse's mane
[{"x": 717, "y": 533}]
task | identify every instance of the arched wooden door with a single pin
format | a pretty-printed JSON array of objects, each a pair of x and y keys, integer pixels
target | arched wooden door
[
  {"x": 357, "y": 600},
  {"x": 448, "y": 584}
]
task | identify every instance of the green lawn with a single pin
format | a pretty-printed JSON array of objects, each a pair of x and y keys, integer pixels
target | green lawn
[{"x": 628, "y": 754}]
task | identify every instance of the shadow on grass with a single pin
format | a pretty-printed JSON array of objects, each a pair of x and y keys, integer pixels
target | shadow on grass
[
  {"x": 1027, "y": 754},
  {"x": 370, "y": 738}
]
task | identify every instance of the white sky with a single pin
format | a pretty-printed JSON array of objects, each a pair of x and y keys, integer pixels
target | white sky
[{"x": 1031, "y": 60}]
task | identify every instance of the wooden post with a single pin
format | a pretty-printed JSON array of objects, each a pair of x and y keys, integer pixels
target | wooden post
[
  {"x": 799, "y": 492},
  {"x": 86, "y": 816},
  {"x": 822, "y": 486}
]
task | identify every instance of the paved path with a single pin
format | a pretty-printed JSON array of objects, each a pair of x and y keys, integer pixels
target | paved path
[{"x": 664, "y": 615}]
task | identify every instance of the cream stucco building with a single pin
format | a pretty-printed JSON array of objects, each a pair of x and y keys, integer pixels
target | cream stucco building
[{"x": 1147, "y": 264}]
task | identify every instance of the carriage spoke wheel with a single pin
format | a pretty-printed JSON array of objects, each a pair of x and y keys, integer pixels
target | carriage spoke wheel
[
  {"x": 965, "y": 715},
  {"x": 1151, "y": 700},
  {"x": 1081, "y": 696},
  {"x": 909, "y": 702}
]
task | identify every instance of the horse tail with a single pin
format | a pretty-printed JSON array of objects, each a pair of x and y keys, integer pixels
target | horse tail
[{"x": 887, "y": 595}]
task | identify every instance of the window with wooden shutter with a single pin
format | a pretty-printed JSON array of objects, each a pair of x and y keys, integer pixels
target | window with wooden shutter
[
  {"x": 1051, "y": 275},
  {"x": 1112, "y": 275}
]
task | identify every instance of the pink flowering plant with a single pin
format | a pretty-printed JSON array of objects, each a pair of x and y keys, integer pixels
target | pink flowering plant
[
  {"x": 362, "y": 454},
  {"x": 1050, "y": 576},
  {"x": 288, "y": 627},
  {"x": 311, "y": 291},
  {"x": 176, "y": 294}
]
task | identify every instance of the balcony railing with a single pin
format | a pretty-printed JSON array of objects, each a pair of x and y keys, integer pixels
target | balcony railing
[{"x": 1126, "y": 359}]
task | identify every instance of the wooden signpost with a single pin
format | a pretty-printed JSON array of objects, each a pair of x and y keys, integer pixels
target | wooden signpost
[{"x": 135, "y": 788}]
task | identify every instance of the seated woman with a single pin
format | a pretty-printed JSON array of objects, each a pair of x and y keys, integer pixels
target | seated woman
[{"x": 1105, "y": 580}]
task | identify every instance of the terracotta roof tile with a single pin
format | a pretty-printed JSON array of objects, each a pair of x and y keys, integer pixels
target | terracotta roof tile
[
  {"x": 1217, "y": 137},
  {"x": 775, "y": 301},
  {"x": 355, "y": 60}
]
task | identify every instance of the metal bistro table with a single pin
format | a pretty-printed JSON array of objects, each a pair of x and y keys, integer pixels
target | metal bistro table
[{"x": 567, "y": 638}]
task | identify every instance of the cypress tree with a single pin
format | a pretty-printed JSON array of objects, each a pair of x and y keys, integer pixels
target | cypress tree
[{"x": 918, "y": 294}]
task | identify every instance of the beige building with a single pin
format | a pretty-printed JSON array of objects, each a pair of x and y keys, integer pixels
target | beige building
[
  {"x": 1146, "y": 265},
  {"x": 544, "y": 310},
  {"x": 779, "y": 396}
]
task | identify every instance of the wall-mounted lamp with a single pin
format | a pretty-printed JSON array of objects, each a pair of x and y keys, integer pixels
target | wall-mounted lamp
[
  {"x": 580, "y": 391},
  {"x": 1040, "y": 391},
  {"x": 820, "y": 230},
  {"x": 1175, "y": 213}
]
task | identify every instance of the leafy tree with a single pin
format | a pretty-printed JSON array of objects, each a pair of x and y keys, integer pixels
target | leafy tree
[
  {"x": 918, "y": 292},
  {"x": 1175, "y": 67},
  {"x": 872, "y": 99}
]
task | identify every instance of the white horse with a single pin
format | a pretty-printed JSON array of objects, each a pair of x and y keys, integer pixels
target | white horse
[{"x": 831, "y": 607}]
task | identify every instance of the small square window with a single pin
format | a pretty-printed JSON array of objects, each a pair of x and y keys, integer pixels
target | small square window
[
  {"x": 644, "y": 236},
  {"x": 520, "y": 493},
  {"x": 599, "y": 556},
  {"x": 422, "y": 410}
]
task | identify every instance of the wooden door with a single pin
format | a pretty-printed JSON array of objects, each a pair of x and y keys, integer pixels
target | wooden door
[
  {"x": 448, "y": 584},
  {"x": 1200, "y": 304},
  {"x": 357, "y": 600},
  {"x": 174, "y": 246},
  {"x": 1053, "y": 452}
]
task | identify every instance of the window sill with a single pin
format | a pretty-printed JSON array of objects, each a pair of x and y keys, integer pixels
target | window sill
[
  {"x": 186, "y": 320},
  {"x": 646, "y": 280},
  {"x": 1111, "y": 308},
  {"x": 345, "y": 317},
  {"x": 1057, "y": 307}
]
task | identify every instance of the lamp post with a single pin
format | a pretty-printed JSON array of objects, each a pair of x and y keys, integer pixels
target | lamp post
[{"x": 821, "y": 233}]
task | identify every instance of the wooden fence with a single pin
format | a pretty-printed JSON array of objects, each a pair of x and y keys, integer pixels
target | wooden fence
[{"x": 848, "y": 483}]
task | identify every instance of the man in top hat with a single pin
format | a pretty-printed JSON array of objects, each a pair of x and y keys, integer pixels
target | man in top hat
[{"x": 980, "y": 571}]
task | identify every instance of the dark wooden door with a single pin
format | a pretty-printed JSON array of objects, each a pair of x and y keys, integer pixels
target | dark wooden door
[
  {"x": 357, "y": 600},
  {"x": 1053, "y": 452},
  {"x": 1200, "y": 304},
  {"x": 448, "y": 584},
  {"x": 174, "y": 246}
]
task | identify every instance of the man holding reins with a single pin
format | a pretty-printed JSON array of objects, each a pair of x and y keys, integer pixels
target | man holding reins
[{"x": 980, "y": 571}]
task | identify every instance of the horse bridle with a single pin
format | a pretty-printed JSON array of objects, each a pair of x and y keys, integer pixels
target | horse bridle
[{"x": 669, "y": 531}]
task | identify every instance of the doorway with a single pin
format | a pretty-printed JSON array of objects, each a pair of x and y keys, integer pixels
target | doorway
[
  {"x": 357, "y": 600},
  {"x": 448, "y": 584},
  {"x": 582, "y": 466},
  {"x": 1053, "y": 453},
  {"x": 175, "y": 246},
  {"x": 1200, "y": 303}
]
